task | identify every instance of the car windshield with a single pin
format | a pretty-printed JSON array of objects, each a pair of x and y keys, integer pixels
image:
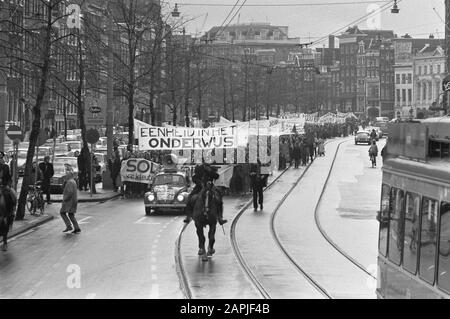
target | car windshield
[
  {"x": 75, "y": 145},
  {"x": 169, "y": 179},
  {"x": 66, "y": 160},
  {"x": 22, "y": 154},
  {"x": 43, "y": 152},
  {"x": 59, "y": 168},
  {"x": 61, "y": 147},
  {"x": 362, "y": 134}
]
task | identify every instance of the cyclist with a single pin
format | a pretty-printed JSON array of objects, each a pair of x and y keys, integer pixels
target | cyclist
[{"x": 373, "y": 153}]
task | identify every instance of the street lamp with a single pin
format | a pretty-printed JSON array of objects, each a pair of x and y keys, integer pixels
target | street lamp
[
  {"x": 395, "y": 8},
  {"x": 175, "y": 12}
]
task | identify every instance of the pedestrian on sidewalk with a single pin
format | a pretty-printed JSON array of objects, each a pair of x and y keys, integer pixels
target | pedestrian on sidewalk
[
  {"x": 296, "y": 154},
  {"x": 70, "y": 202},
  {"x": 47, "y": 173}
]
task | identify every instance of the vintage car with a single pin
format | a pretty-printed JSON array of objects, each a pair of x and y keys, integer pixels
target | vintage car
[
  {"x": 72, "y": 161},
  {"x": 167, "y": 192},
  {"x": 362, "y": 137},
  {"x": 63, "y": 150}
]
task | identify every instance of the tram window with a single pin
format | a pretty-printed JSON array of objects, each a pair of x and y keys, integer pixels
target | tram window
[
  {"x": 384, "y": 221},
  {"x": 411, "y": 242},
  {"x": 438, "y": 149},
  {"x": 428, "y": 239},
  {"x": 396, "y": 212},
  {"x": 444, "y": 248}
]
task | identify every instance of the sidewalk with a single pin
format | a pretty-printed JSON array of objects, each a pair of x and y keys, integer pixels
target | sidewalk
[
  {"x": 83, "y": 197},
  {"x": 32, "y": 221}
]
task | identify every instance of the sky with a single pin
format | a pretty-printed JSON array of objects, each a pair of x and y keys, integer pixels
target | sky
[{"x": 418, "y": 18}]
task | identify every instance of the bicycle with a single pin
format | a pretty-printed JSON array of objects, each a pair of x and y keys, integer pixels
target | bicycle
[{"x": 35, "y": 200}]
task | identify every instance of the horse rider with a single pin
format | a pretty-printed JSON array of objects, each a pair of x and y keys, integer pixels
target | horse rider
[{"x": 204, "y": 175}]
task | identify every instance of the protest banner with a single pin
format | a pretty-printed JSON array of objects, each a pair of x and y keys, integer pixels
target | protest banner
[
  {"x": 179, "y": 138},
  {"x": 138, "y": 170}
]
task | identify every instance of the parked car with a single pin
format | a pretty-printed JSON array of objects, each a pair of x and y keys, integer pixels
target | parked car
[
  {"x": 74, "y": 145},
  {"x": 362, "y": 137},
  {"x": 72, "y": 161},
  {"x": 63, "y": 150},
  {"x": 22, "y": 157},
  {"x": 59, "y": 178}
]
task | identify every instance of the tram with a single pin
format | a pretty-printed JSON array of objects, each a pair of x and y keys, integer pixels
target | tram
[{"x": 414, "y": 216}]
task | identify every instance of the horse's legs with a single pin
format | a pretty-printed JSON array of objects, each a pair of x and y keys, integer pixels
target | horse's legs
[
  {"x": 211, "y": 238},
  {"x": 201, "y": 239}
]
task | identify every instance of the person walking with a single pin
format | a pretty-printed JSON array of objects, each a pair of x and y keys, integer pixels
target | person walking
[
  {"x": 114, "y": 166},
  {"x": 47, "y": 173},
  {"x": 81, "y": 162},
  {"x": 296, "y": 154},
  {"x": 373, "y": 153},
  {"x": 257, "y": 184},
  {"x": 70, "y": 202}
]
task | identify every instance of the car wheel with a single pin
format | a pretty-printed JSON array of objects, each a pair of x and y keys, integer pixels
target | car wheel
[{"x": 148, "y": 211}]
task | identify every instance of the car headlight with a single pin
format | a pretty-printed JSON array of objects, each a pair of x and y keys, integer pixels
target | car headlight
[
  {"x": 151, "y": 197},
  {"x": 180, "y": 198}
]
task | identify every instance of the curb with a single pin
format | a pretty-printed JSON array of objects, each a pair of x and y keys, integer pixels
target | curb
[
  {"x": 90, "y": 200},
  {"x": 24, "y": 229}
]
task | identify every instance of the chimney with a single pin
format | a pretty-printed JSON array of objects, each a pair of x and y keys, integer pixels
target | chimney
[
  {"x": 431, "y": 36},
  {"x": 331, "y": 44}
]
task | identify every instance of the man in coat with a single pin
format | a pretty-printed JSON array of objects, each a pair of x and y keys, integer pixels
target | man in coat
[
  {"x": 257, "y": 184},
  {"x": 70, "y": 202},
  {"x": 47, "y": 173}
]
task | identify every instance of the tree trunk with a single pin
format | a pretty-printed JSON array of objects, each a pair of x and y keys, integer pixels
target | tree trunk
[
  {"x": 37, "y": 117},
  {"x": 80, "y": 104}
]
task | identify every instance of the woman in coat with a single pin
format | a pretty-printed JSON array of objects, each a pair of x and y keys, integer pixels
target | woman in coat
[{"x": 70, "y": 202}]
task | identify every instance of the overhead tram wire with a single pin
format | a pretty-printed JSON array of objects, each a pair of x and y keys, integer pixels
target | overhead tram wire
[
  {"x": 286, "y": 4},
  {"x": 229, "y": 14},
  {"x": 386, "y": 6},
  {"x": 382, "y": 9}
]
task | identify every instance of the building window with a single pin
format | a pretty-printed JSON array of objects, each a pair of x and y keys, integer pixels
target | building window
[
  {"x": 439, "y": 69},
  {"x": 428, "y": 239},
  {"x": 404, "y": 95},
  {"x": 425, "y": 69},
  {"x": 444, "y": 248},
  {"x": 403, "y": 78},
  {"x": 420, "y": 70},
  {"x": 424, "y": 98},
  {"x": 409, "y": 78},
  {"x": 397, "y": 78},
  {"x": 431, "y": 69},
  {"x": 398, "y": 96},
  {"x": 409, "y": 96}
]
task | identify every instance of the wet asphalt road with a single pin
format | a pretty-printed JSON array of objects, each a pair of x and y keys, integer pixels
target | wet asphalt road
[{"x": 120, "y": 253}]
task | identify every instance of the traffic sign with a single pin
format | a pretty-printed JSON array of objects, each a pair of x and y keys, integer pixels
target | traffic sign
[
  {"x": 92, "y": 136},
  {"x": 14, "y": 132}
]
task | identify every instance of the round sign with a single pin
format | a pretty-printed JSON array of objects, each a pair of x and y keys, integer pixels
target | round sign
[
  {"x": 92, "y": 136},
  {"x": 14, "y": 132}
]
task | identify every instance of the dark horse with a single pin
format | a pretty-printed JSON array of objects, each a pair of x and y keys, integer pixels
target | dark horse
[
  {"x": 205, "y": 206},
  {"x": 7, "y": 204}
]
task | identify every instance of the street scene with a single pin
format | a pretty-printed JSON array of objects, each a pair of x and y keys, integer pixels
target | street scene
[{"x": 159, "y": 150}]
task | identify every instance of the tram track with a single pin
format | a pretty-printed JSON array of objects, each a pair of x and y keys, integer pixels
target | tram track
[
  {"x": 184, "y": 283},
  {"x": 314, "y": 283},
  {"x": 253, "y": 278},
  {"x": 240, "y": 258}
]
